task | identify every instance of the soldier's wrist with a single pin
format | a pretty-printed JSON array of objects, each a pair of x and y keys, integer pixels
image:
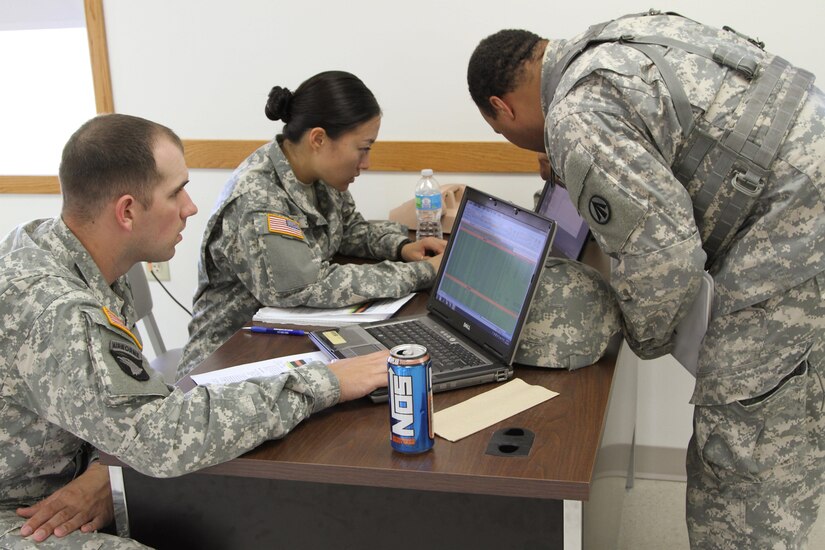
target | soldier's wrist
[{"x": 400, "y": 247}]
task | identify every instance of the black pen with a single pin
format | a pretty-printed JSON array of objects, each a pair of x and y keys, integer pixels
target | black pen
[{"x": 270, "y": 330}]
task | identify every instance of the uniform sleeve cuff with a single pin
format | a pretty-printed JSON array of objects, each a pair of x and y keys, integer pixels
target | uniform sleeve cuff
[
  {"x": 326, "y": 389},
  {"x": 401, "y": 245},
  {"x": 425, "y": 274},
  {"x": 94, "y": 456}
]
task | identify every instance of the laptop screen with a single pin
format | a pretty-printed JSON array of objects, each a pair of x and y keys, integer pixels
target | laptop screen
[
  {"x": 572, "y": 231},
  {"x": 494, "y": 256}
]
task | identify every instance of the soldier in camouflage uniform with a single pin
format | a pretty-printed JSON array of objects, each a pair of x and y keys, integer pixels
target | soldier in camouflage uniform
[
  {"x": 286, "y": 212},
  {"x": 614, "y": 110},
  {"x": 71, "y": 368}
]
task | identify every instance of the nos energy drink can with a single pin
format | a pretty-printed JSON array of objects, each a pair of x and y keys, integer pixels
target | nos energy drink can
[{"x": 410, "y": 390}]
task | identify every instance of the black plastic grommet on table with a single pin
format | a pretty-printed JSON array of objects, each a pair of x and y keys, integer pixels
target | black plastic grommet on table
[{"x": 511, "y": 442}]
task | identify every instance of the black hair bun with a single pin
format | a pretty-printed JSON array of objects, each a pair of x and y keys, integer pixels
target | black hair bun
[{"x": 277, "y": 106}]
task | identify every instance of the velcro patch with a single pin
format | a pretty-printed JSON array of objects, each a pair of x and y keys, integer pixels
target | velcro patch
[
  {"x": 610, "y": 210},
  {"x": 129, "y": 360},
  {"x": 284, "y": 226}
]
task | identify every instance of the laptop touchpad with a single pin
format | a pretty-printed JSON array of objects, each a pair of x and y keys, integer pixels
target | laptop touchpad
[{"x": 361, "y": 350}]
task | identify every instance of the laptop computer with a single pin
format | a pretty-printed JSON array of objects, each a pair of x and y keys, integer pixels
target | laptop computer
[
  {"x": 478, "y": 303},
  {"x": 572, "y": 233}
]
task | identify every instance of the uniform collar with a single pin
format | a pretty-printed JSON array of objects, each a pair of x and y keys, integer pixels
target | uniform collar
[
  {"x": 71, "y": 253},
  {"x": 552, "y": 55},
  {"x": 294, "y": 189}
]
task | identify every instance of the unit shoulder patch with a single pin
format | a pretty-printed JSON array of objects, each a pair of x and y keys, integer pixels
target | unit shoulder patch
[
  {"x": 599, "y": 209},
  {"x": 129, "y": 359}
]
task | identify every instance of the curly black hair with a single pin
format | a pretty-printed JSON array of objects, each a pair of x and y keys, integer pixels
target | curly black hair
[{"x": 496, "y": 63}]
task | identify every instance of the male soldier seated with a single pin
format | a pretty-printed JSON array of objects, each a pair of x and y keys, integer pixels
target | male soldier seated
[{"x": 71, "y": 368}]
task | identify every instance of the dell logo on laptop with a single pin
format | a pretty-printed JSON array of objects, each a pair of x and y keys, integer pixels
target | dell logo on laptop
[{"x": 466, "y": 326}]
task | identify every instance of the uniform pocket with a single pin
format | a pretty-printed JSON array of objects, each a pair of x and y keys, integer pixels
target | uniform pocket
[
  {"x": 611, "y": 212},
  {"x": 291, "y": 261},
  {"x": 747, "y": 445},
  {"x": 286, "y": 261},
  {"x": 123, "y": 372}
]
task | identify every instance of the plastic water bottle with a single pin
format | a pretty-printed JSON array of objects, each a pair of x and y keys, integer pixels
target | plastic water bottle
[{"x": 428, "y": 206}]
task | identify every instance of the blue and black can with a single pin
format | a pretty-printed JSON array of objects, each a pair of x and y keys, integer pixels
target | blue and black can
[{"x": 410, "y": 388}]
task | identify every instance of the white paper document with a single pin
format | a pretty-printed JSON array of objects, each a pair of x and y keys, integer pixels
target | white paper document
[
  {"x": 268, "y": 367},
  {"x": 368, "y": 312}
]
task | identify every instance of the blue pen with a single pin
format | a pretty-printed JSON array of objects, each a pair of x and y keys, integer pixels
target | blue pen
[{"x": 270, "y": 330}]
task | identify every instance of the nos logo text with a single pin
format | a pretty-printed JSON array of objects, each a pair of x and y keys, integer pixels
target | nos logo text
[{"x": 401, "y": 405}]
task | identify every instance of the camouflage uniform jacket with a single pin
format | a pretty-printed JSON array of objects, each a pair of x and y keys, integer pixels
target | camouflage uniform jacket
[
  {"x": 71, "y": 370},
  {"x": 612, "y": 134},
  {"x": 266, "y": 244}
]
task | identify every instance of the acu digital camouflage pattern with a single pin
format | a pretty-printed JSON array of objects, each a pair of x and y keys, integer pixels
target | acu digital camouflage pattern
[
  {"x": 10, "y": 539},
  {"x": 572, "y": 318},
  {"x": 243, "y": 266},
  {"x": 61, "y": 384},
  {"x": 611, "y": 131},
  {"x": 612, "y": 135},
  {"x": 755, "y": 466}
]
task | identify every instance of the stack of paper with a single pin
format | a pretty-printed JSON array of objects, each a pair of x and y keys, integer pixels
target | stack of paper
[
  {"x": 350, "y": 315},
  {"x": 258, "y": 369}
]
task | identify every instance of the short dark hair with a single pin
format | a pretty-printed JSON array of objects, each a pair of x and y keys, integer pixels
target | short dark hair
[
  {"x": 107, "y": 157},
  {"x": 336, "y": 101},
  {"x": 496, "y": 65}
]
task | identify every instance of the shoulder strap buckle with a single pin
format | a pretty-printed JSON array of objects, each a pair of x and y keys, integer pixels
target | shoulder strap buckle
[
  {"x": 747, "y": 183},
  {"x": 755, "y": 41}
]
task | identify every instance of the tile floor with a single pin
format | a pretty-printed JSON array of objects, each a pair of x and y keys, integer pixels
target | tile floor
[{"x": 654, "y": 518}]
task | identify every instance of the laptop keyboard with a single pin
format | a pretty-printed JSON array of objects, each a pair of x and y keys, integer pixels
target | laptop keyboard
[{"x": 447, "y": 355}]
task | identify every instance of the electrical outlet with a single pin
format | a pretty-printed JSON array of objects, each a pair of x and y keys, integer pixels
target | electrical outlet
[{"x": 160, "y": 269}]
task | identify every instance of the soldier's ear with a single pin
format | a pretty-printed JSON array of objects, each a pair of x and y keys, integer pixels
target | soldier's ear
[
  {"x": 316, "y": 138},
  {"x": 501, "y": 107},
  {"x": 124, "y": 210}
]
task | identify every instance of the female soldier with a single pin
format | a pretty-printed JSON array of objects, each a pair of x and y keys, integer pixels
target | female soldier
[{"x": 286, "y": 212}]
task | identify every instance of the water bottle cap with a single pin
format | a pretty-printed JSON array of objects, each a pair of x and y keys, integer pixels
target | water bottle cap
[{"x": 427, "y": 172}]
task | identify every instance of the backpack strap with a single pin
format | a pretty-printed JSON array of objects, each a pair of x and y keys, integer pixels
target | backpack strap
[{"x": 741, "y": 165}]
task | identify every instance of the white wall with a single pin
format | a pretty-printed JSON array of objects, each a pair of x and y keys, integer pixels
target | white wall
[{"x": 204, "y": 68}]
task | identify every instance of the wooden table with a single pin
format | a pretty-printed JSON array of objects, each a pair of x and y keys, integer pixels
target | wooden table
[{"x": 334, "y": 481}]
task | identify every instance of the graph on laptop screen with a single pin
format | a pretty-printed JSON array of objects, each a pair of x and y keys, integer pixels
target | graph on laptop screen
[{"x": 489, "y": 269}]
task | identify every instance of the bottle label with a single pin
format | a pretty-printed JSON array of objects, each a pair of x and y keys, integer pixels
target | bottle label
[{"x": 429, "y": 202}]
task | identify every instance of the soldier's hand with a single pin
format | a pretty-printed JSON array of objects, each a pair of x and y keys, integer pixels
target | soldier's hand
[
  {"x": 423, "y": 249},
  {"x": 85, "y": 503},
  {"x": 435, "y": 261},
  {"x": 358, "y": 376}
]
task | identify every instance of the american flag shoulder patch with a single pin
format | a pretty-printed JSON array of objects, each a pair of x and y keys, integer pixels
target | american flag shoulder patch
[
  {"x": 115, "y": 321},
  {"x": 284, "y": 226}
]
